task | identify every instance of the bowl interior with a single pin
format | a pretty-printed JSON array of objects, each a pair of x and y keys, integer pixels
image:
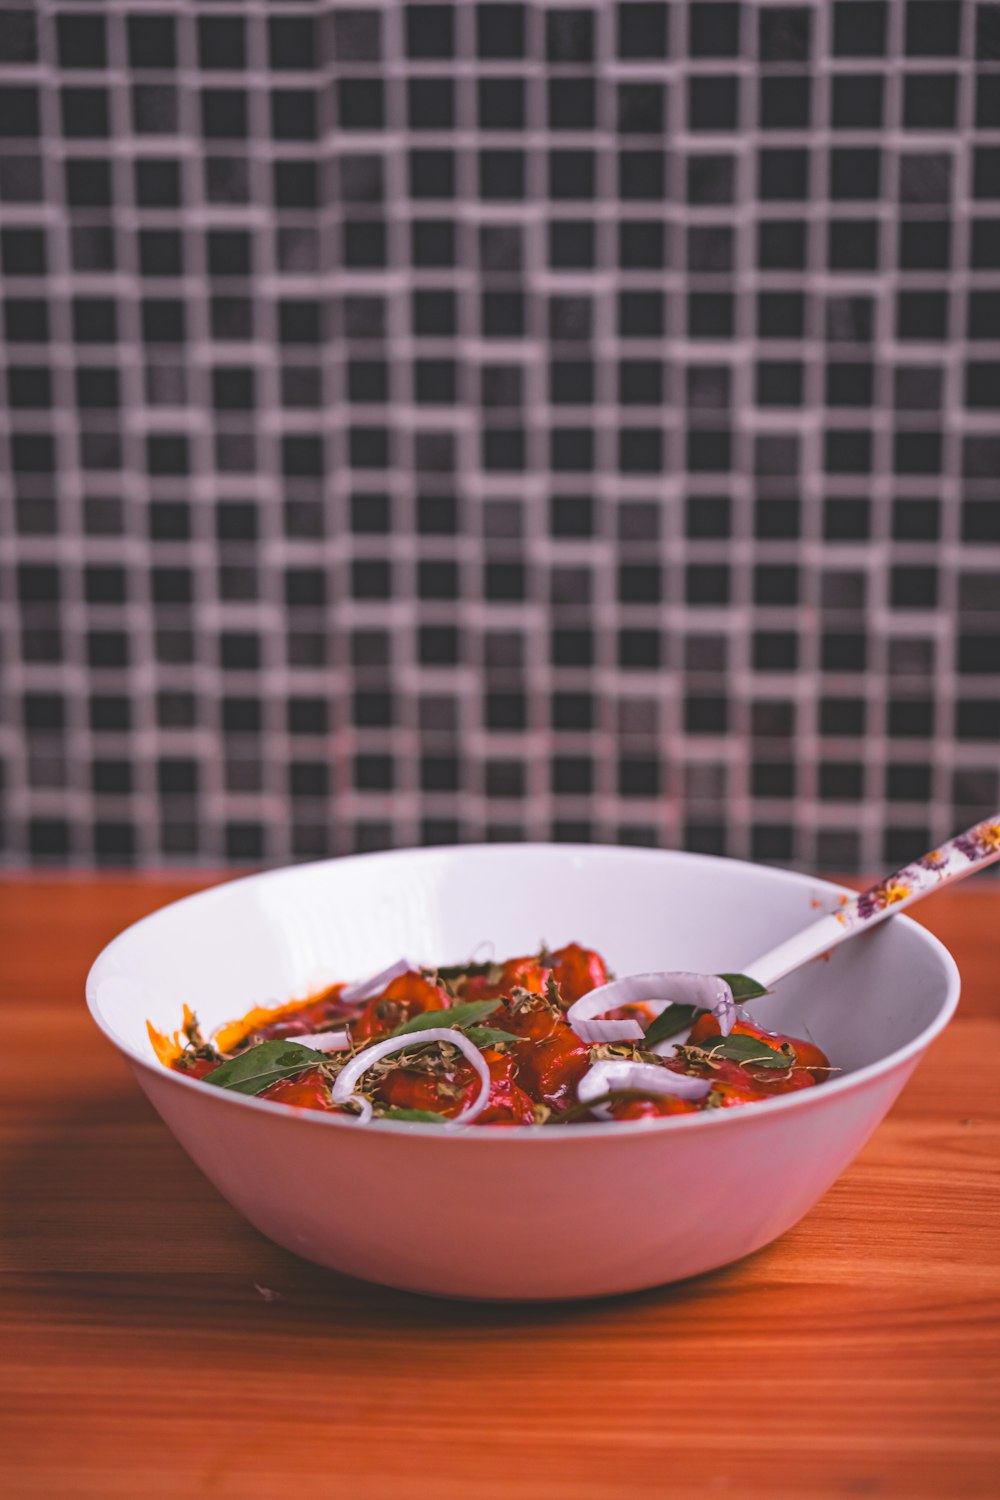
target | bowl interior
[{"x": 278, "y": 936}]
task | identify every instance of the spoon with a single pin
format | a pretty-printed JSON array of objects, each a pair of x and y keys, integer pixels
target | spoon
[{"x": 962, "y": 855}]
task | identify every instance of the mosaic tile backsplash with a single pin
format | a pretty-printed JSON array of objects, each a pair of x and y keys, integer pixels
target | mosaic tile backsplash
[{"x": 491, "y": 421}]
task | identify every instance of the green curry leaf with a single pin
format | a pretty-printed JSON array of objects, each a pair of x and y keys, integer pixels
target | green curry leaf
[
  {"x": 490, "y": 1036},
  {"x": 747, "y": 1050},
  {"x": 743, "y": 987},
  {"x": 669, "y": 1021},
  {"x": 423, "y": 1116},
  {"x": 459, "y": 1016},
  {"x": 259, "y": 1067}
]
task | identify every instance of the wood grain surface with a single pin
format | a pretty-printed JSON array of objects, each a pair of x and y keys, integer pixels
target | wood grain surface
[{"x": 154, "y": 1345}]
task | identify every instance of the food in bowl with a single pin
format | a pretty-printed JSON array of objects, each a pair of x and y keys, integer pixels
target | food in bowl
[
  {"x": 535, "y": 1040},
  {"x": 476, "y": 1212}
]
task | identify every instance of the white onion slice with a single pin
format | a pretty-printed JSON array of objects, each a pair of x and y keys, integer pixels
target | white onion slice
[
  {"x": 706, "y": 991},
  {"x": 647, "y": 1078},
  {"x": 366, "y": 989},
  {"x": 343, "y": 1088},
  {"x": 324, "y": 1041},
  {"x": 592, "y": 1032}
]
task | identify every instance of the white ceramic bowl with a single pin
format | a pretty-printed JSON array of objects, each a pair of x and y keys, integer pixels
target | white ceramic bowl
[{"x": 573, "y": 1211}]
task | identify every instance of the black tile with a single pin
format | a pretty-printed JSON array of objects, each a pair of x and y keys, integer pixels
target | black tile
[
  {"x": 21, "y": 179},
  {"x": 987, "y": 112},
  {"x": 859, "y": 28},
  {"x": 357, "y": 35},
  {"x": 988, "y": 31},
  {"x": 569, "y": 35},
  {"x": 221, "y": 42},
  {"x": 18, "y": 111},
  {"x": 850, "y": 383},
  {"x": 23, "y": 252},
  {"x": 932, "y": 28},
  {"x": 641, "y": 108},
  {"x": 925, "y": 178},
  {"x": 856, "y": 100},
  {"x": 711, "y": 179},
  {"x": 782, "y": 244},
  {"x": 714, "y": 28},
  {"x": 18, "y": 37},
  {"x": 81, "y": 40},
  {"x": 785, "y": 101},
  {"x": 855, "y": 172},
  {"x": 780, "y": 315},
  {"x": 779, "y": 383},
  {"x": 929, "y": 101},
  {"x": 430, "y": 31},
  {"x": 983, "y": 319},
  {"x": 642, "y": 29},
  {"x": 224, "y": 114},
  {"x": 500, "y": 31},
  {"x": 783, "y": 174},
  {"x": 922, "y": 315},
  {"x": 572, "y": 103},
  {"x": 916, "y": 520},
  {"x": 924, "y": 245},
  {"x": 713, "y": 102},
  {"x": 784, "y": 34},
  {"x": 501, "y": 175},
  {"x": 986, "y": 172},
  {"x": 853, "y": 245},
  {"x": 710, "y": 315},
  {"x": 292, "y": 43}
]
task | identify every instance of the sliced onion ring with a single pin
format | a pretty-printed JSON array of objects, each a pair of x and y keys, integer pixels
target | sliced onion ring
[
  {"x": 365, "y": 989},
  {"x": 646, "y": 1078},
  {"x": 593, "y": 1032},
  {"x": 706, "y": 991},
  {"x": 325, "y": 1041},
  {"x": 343, "y": 1088}
]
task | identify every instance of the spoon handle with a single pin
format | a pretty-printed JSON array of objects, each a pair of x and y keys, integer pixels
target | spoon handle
[{"x": 963, "y": 855}]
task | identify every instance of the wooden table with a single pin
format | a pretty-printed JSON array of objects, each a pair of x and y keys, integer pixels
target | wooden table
[{"x": 152, "y": 1344}]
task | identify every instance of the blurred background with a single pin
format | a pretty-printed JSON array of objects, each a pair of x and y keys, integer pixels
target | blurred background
[{"x": 424, "y": 423}]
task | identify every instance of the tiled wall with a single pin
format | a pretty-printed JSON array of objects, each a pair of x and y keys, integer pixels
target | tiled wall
[{"x": 432, "y": 422}]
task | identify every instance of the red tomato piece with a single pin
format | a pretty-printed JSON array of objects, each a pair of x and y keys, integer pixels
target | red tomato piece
[
  {"x": 807, "y": 1056},
  {"x": 508, "y": 1104},
  {"x": 407, "y": 996},
  {"x": 535, "y": 1019},
  {"x": 517, "y": 973},
  {"x": 651, "y": 1109},
  {"x": 577, "y": 971},
  {"x": 443, "y": 1094},
  {"x": 308, "y": 1090},
  {"x": 194, "y": 1067},
  {"x": 549, "y": 1070}
]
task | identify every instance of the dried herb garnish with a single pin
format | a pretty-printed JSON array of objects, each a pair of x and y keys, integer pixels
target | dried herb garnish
[
  {"x": 737, "y": 1047},
  {"x": 256, "y": 1070}
]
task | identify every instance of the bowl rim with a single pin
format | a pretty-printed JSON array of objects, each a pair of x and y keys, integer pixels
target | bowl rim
[{"x": 714, "y": 1119}]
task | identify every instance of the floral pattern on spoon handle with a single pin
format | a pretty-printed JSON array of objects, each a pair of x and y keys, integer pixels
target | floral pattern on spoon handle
[{"x": 962, "y": 855}]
